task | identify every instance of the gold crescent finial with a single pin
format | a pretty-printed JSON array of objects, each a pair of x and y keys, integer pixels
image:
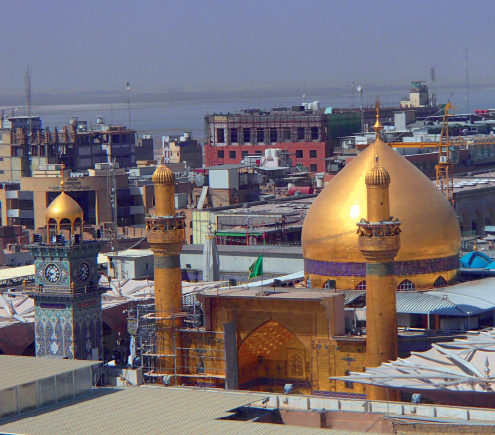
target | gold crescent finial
[{"x": 378, "y": 125}]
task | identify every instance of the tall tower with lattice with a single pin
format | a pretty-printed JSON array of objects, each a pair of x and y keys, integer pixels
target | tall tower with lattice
[
  {"x": 379, "y": 242},
  {"x": 67, "y": 298},
  {"x": 166, "y": 237}
]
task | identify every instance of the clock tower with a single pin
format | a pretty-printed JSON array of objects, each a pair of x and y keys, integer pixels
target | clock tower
[{"x": 67, "y": 299}]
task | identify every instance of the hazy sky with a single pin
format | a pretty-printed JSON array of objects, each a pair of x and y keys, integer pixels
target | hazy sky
[{"x": 96, "y": 45}]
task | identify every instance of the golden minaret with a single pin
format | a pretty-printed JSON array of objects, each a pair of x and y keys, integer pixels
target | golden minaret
[
  {"x": 166, "y": 237},
  {"x": 379, "y": 242}
]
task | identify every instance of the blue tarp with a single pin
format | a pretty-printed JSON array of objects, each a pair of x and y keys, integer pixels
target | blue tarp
[{"x": 476, "y": 260}]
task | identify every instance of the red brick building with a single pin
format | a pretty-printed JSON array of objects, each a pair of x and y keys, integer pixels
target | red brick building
[{"x": 307, "y": 132}]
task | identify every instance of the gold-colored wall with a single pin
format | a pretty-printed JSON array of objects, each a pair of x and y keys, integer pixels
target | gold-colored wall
[
  {"x": 292, "y": 338},
  {"x": 423, "y": 281}
]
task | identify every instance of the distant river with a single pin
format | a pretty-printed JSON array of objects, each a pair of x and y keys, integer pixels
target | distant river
[{"x": 163, "y": 119}]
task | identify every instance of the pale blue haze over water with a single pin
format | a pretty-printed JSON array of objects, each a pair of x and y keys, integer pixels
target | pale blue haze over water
[{"x": 159, "y": 119}]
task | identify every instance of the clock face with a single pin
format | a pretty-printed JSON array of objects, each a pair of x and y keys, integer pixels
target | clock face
[
  {"x": 83, "y": 271},
  {"x": 52, "y": 273}
]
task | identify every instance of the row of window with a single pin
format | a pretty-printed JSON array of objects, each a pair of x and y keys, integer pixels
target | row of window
[
  {"x": 405, "y": 285},
  {"x": 258, "y": 135},
  {"x": 313, "y": 154}
]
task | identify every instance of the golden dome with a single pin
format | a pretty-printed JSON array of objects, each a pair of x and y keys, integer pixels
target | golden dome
[
  {"x": 430, "y": 238},
  {"x": 377, "y": 176},
  {"x": 163, "y": 175},
  {"x": 63, "y": 207}
]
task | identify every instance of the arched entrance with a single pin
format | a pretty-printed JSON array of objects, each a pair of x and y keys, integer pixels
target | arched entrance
[{"x": 272, "y": 356}]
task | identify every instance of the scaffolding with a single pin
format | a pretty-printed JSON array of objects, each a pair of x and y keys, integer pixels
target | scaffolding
[{"x": 200, "y": 360}]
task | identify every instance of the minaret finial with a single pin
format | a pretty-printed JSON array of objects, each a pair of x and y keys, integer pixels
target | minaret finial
[
  {"x": 378, "y": 126},
  {"x": 62, "y": 182}
]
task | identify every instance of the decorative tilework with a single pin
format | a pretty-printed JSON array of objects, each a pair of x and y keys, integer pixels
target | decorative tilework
[
  {"x": 297, "y": 383},
  {"x": 402, "y": 268},
  {"x": 339, "y": 394},
  {"x": 67, "y": 325}
]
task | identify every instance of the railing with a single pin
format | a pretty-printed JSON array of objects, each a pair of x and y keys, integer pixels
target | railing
[{"x": 48, "y": 290}]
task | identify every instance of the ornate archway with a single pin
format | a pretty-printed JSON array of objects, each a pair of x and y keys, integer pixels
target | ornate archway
[{"x": 272, "y": 356}]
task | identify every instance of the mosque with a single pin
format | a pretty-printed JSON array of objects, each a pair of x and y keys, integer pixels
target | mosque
[{"x": 379, "y": 226}]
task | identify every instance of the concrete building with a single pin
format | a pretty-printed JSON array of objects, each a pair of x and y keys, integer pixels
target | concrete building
[
  {"x": 223, "y": 185},
  {"x": 268, "y": 222},
  {"x": 183, "y": 149},
  {"x": 307, "y": 134},
  {"x": 25, "y": 146},
  {"x": 92, "y": 189},
  {"x": 418, "y": 96}
]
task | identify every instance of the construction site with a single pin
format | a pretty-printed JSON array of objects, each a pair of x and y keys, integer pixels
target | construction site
[{"x": 193, "y": 355}]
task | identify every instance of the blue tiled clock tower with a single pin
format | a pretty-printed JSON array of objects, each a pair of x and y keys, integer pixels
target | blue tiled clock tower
[{"x": 67, "y": 299}]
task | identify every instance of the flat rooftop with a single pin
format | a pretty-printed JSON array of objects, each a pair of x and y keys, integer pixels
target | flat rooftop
[
  {"x": 18, "y": 370},
  {"x": 152, "y": 410}
]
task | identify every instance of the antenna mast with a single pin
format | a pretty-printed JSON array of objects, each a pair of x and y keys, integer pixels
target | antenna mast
[
  {"x": 433, "y": 87},
  {"x": 28, "y": 96},
  {"x": 467, "y": 82},
  {"x": 128, "y": 106}
]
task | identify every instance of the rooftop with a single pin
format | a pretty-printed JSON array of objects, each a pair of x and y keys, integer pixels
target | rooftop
[
  {"x": 152, "y": 410},
  {"x": 26, "y": 369}
]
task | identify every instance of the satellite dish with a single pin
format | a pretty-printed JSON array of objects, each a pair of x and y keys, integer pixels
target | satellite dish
[{"x": 199, "y": 179}]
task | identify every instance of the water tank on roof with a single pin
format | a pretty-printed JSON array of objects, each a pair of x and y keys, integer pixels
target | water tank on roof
[
  {"x": 268, "y": 153},
  {"x": 277, "y": 152}
]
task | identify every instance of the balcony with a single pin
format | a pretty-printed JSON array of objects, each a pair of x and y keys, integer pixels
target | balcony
[{"x": 17, "y": 213}]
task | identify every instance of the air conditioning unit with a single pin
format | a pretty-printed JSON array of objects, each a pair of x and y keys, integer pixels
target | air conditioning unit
[{"x": 443, "y": 159}]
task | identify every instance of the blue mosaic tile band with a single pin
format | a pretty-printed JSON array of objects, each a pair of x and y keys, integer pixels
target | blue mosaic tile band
[{"x": 402, "y": 268}]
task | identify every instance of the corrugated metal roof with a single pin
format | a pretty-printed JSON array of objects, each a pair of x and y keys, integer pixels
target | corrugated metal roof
[
  {"x": 17, "y": 370},
  {"x": 145, "y": 410},
  {"x": 421, "y": 303},
  {"x": 352, "y": 295}
]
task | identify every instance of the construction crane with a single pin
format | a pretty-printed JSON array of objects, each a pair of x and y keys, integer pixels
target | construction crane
[{"x": 447, "y": 155}]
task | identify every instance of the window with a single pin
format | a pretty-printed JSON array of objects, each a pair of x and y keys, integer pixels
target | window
[
  {"x": 147, "y": 267},
  {"x": 246, "y": 135},
  {"x": 313, "y": 168},
  {"x": 361, "y": 286},
  {"x": 260, "y": 135},
  {"x": 308, "y": 282},
  {"x": 312, "y": 154},
  {"x": 221, "y": 154},
  {"x": 406, "y": 285},
  {"x": 42, "y": 151},
  {"x": 258, "y": 153},
  {"x": 299, "y": 154},
  {"x": 286, "y": 134},
  {"x": 300, "y": 133},
  {"x": 440, "y": 282},
  {"x": 244, "y": 153},
  {"x": 314, "y": 133},
  {"x": 34, "y": 151},
  {"x": 349, "y": 384},
  {"x": 232, "y": 154},
  {"x": 330, "y": 283},
  {"x": 233, "y": 135},
  {"x": 220, "y": 135},
  {"x": 273, "y": 135}
]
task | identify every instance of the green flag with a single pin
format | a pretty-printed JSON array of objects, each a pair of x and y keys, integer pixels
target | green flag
[{"x": 256, "y": 269}]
